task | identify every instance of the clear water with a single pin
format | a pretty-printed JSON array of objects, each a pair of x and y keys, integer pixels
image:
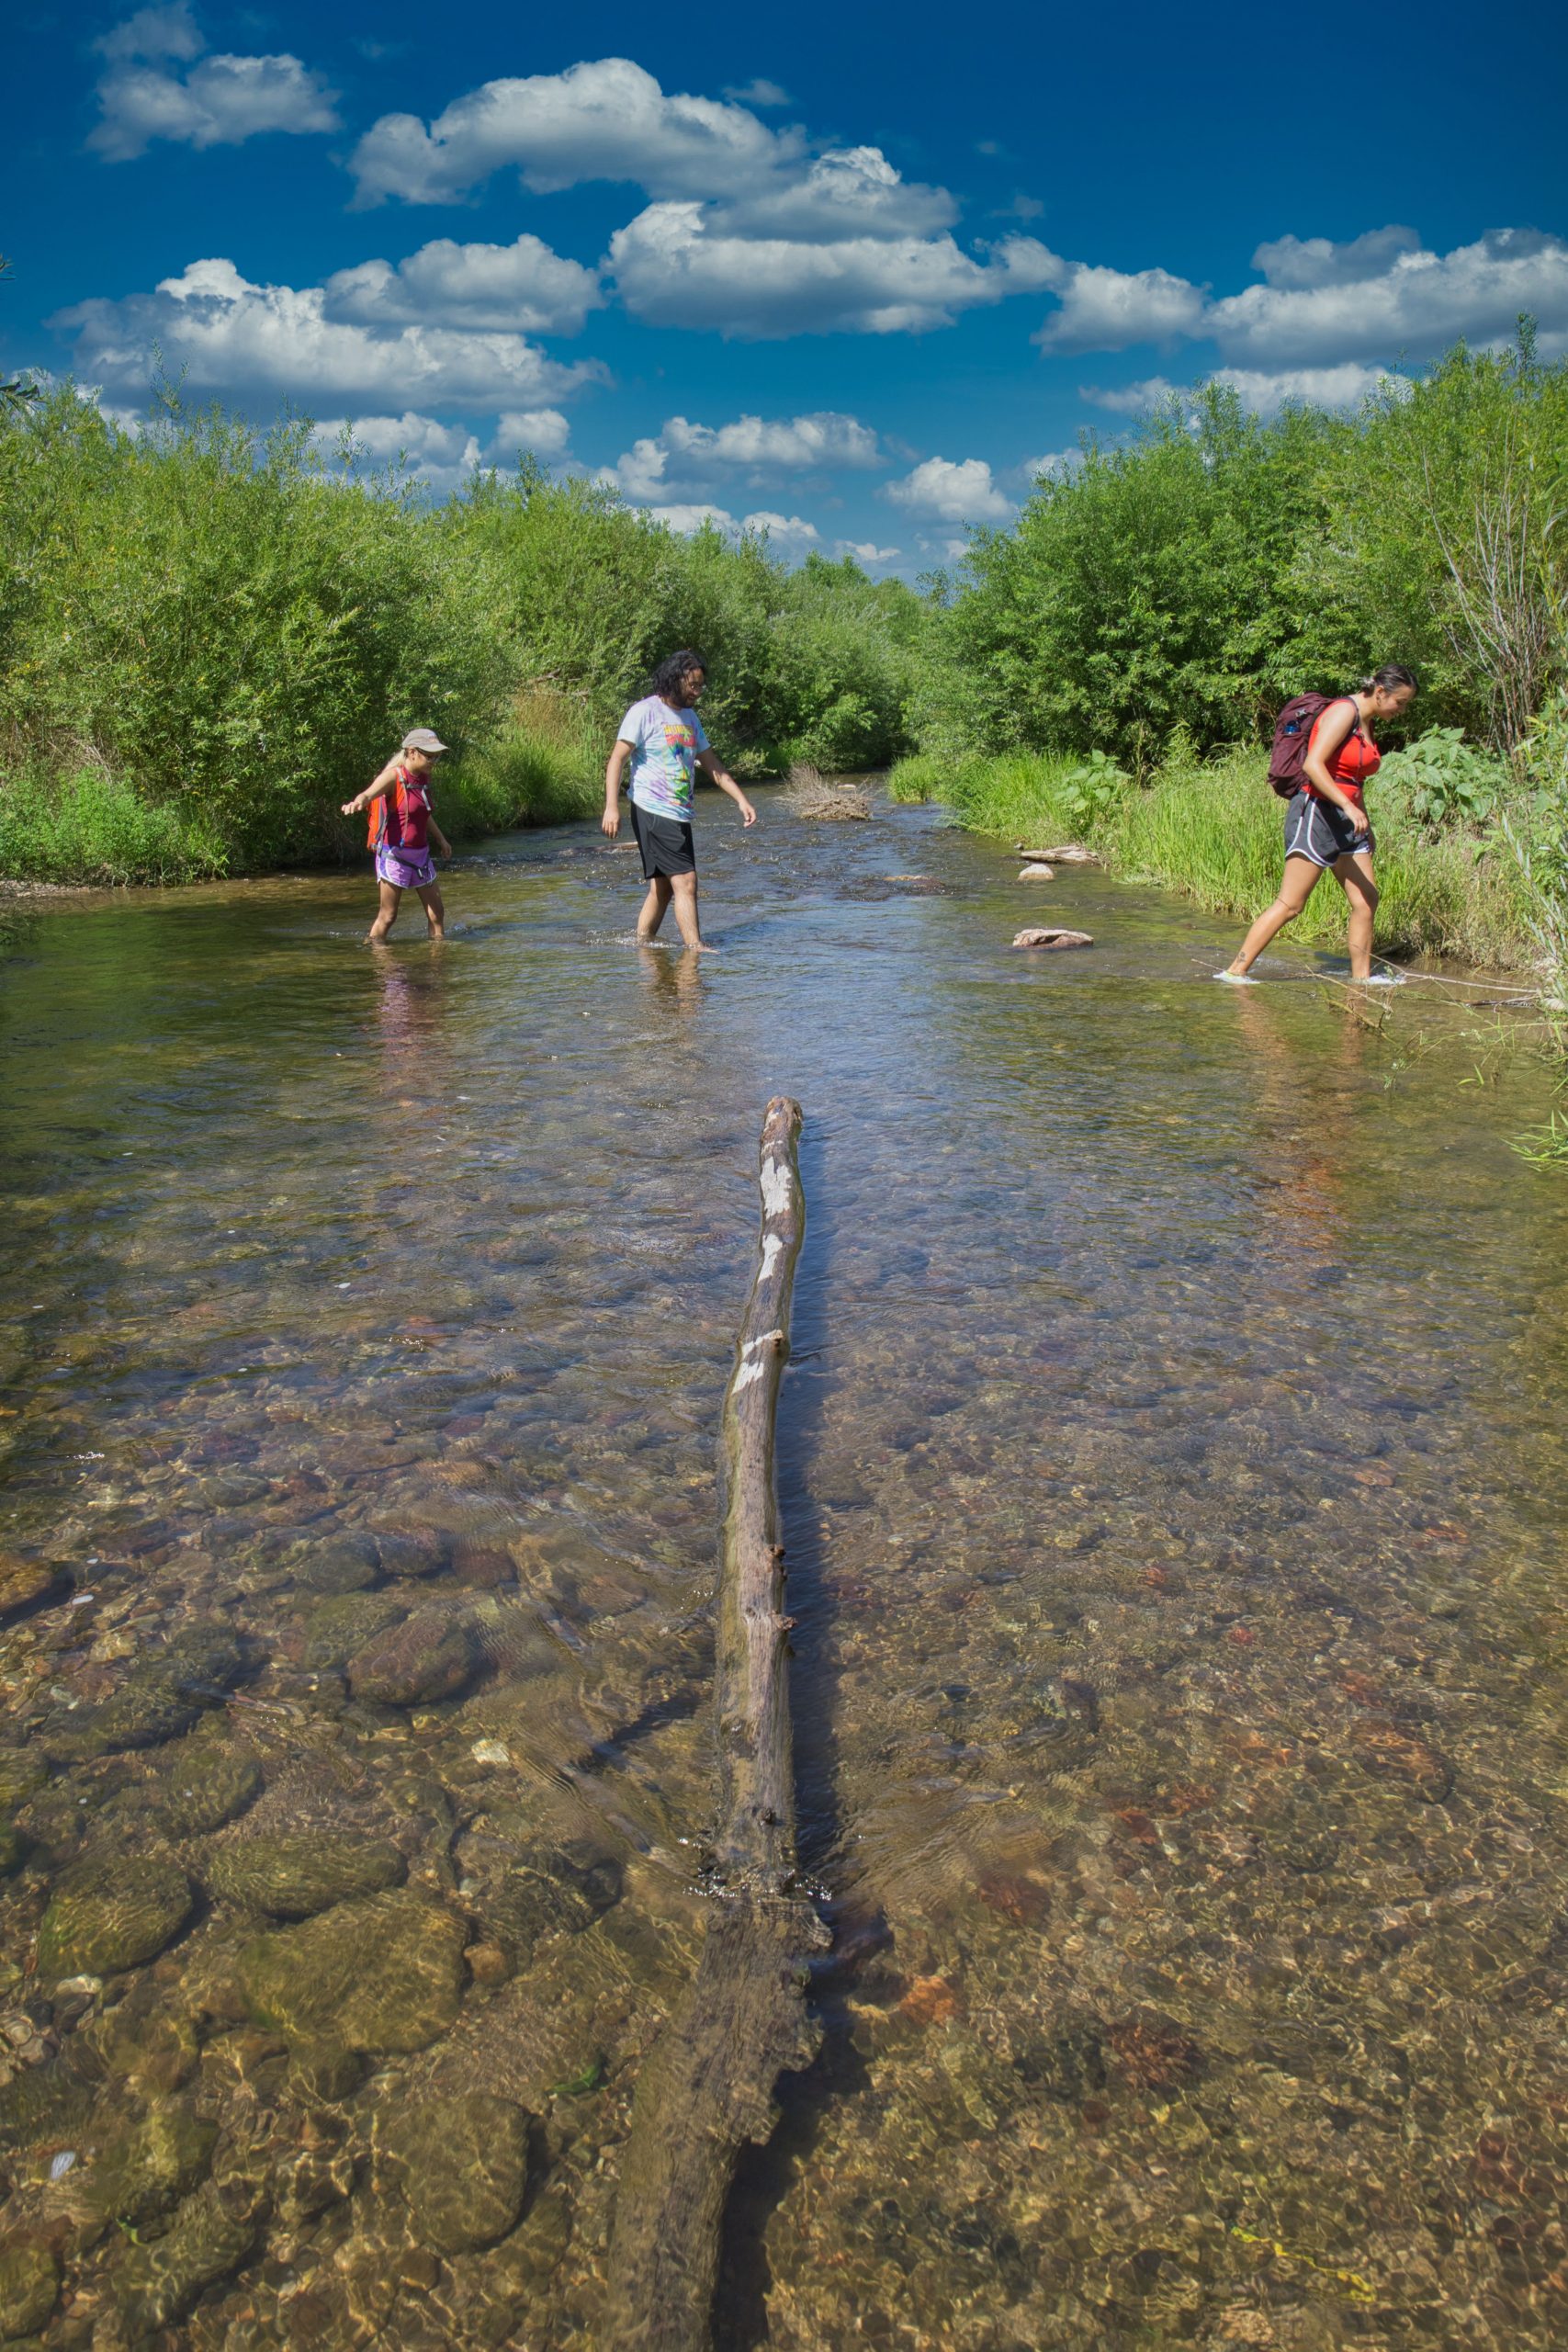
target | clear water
[{"x": 1174, "y": 1467}]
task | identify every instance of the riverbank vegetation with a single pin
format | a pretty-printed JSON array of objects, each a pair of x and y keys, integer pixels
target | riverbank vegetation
[{"x": 209, "y": 638}]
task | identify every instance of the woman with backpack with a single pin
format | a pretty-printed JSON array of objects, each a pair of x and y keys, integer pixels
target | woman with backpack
[
  {"x": 1324, "y": 753},
  {"x": 403, "y": 827}
]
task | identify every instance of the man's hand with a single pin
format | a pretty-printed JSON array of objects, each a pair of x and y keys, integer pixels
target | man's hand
[
  {"x": 748, "y": 814},
  {"x": 610, "y": 823}
]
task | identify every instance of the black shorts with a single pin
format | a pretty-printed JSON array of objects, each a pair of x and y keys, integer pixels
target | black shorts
[
  {"x": 1317, "y": 830},
  {"x": 665, "y": 843}
]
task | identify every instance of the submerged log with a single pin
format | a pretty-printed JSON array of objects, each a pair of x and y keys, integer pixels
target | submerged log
[
  {"x": 1064, "y": 853},
  {"x": 707, "y": 2085}
]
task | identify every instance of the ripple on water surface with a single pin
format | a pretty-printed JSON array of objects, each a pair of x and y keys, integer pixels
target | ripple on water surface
[{"x": 1173, "y": 1472}]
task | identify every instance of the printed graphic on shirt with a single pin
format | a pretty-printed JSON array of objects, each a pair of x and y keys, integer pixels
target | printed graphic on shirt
[{"x": 665, "y": 744}]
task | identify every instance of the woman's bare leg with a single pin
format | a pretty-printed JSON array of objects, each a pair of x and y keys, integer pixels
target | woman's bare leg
[
  {"x": 1354, "y": 876},
  {"x": 391, "y": 898},
  {"x": 685, "y": 888},
  {"x": 435, "y": 912},
  {"x": 654, "y": 906},
  {"x": 1301, "y": 880}
]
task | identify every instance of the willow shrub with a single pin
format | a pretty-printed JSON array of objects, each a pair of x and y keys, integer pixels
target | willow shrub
[{"x": 222, "y": 628}]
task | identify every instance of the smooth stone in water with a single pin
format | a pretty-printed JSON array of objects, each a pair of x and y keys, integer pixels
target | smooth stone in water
[
  {"x": 21, "y": 1772},
  {"x": 295, "y": 1876},
  {"x": 1043, "y": 937},
  {"x": 145, "y": 2170},
  {"x": 203, "y": 1785},
  {"x": 345, "y": 1562},
  {"x": 334, "y": 1629},
  {"x": 112, "y": 1912},
  {"x": 160, "y": 2282},
  {"x": 463, "y": 2164},
  {"x": 381, "y": 1976},
  {"x": 428, "y": 1656},
  {"x": 24, "y": 1583},
  {"x": 29, "y": 2288}
]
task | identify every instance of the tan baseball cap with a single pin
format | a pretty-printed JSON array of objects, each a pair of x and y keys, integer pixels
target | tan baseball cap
[{"x": 422, "y": 739}]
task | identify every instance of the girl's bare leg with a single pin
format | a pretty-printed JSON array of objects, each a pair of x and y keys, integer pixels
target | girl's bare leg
[
  {"x": 435, "y": 912},
  {"x": 1354, "y": 876},
  {"x": 654, "y": 906},
  {"x": 391, "y": 898},
  {"x": 1301, "y": 880}
]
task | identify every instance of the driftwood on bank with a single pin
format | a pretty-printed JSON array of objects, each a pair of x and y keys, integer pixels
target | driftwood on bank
[{"x": 706, "y": 2087}]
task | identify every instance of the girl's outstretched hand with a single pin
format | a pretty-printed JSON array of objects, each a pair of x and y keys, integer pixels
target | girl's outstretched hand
[{"x": 350, "y": 808}]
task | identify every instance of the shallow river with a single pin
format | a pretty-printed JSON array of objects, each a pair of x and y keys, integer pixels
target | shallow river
[{"x": 1173, "y": 1467}]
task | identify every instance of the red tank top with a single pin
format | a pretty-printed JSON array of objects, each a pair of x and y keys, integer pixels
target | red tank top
[
  {"x": 405, "y": 814},
  {"x": 1356, "y": 758}
]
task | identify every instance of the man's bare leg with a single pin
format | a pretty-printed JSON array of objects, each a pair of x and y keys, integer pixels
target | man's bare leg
[
  {"x": 654, "y": 906},
  {"x": 391, "y": 898},
  {"x": 435, "y": 912},
  {"x": 685, "y": 888}
]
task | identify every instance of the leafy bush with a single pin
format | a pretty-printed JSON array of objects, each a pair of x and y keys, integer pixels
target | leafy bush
[{"x": 1442, "y": 780}]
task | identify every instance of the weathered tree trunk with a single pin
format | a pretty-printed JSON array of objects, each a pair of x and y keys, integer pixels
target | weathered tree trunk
[{"x": 707, "y": 2085}]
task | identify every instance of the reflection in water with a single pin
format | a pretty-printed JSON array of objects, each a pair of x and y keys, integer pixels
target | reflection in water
[{"x": 1173, "y": 1470}]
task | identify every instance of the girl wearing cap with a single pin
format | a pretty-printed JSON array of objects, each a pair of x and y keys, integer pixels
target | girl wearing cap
[{"x": 402, "y": 829}]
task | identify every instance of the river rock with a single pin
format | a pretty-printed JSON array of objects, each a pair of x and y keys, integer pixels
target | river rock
[
  {"x": 1036, "y": 870},
  {"x": 29, "y": 2288},
  {"x": 346, "y": 1561},
  {"x": 21, "y": 1772},
  {"x": 1396, "y": 1755},
  {"x": 294, "y": 1876},
  {"x": 144, "y": 2170},
  {"x": 1048, "y": 936},
  {"x": 547, "y": 1890},
  {"x": 160, "y": 1698},
  {"x": 205, "y": 1784},
  {"x": 110, "y": 1912},
  {"x": 408, "y": 1551},
  {"x": 385, "y": 1975},
  {"x": 158, "y": 2283},
  {"x": 463, "y": 2164},
  {"x": 334, "y": 1629},
  {"x": 429, "y": 1656},
  {"x": 24, "y": 1583}
]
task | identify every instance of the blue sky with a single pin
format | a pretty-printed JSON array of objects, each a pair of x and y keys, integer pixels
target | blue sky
[{"x": 856, "y": 272}]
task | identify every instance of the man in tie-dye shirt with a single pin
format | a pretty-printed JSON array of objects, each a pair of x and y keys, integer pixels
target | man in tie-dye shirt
[{"x": 662, "y": 737}]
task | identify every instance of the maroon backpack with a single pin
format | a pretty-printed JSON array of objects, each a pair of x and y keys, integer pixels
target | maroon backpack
[{"x": 1292, "y": 733}]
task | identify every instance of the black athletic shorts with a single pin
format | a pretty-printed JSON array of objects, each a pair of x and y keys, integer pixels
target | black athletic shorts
[
  {"x": 1318, "y": 830},
  {"x": 665, "y": 843}
]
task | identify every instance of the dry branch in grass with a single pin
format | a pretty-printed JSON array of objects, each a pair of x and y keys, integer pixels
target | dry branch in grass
[{"x": 826, "y": 799}]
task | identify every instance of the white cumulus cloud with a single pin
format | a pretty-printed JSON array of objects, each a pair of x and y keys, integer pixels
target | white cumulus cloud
[
  {"x": 1412, "y": 300},
  {"x": 604, "y": 119},
  {"x": 784, "y": 531},
  {"x": 220, "y": 102},
  {"x": 675, "y": 266},
  {"x": 239, "y": 340},
  {"x": 692, "y": 517},
  {"x": 1299, "y": 262},
  {"x": 523, "y": 287},
  {"x": 1264, "y": 394},
  {"x": 694, "y": 455},
  {"x": 760, "y": 93},
  {"x": 952, "y": 490},
  {"x": 1106, "y": 310}
]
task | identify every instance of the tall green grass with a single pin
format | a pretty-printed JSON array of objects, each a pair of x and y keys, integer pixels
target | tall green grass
[
  {"x": 1212, "y": 830},
  {"x": 87, "y": 826}
]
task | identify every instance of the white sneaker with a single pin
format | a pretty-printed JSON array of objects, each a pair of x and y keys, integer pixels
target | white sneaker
[{"x": 1239, "y": 980}]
